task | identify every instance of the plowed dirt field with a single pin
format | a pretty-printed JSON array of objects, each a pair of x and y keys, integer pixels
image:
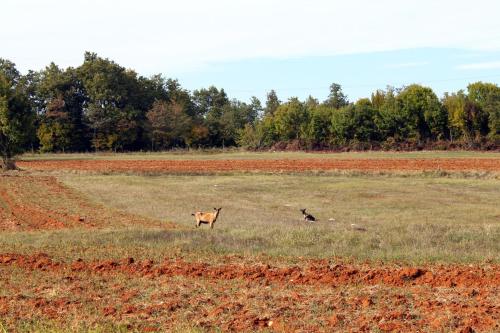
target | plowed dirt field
[
  {"x": 315, "y": 296},
  {"x": 285, "y": 165}
]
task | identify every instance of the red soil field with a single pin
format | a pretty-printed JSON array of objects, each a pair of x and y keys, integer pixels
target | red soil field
[
  {"x": 360, "y": 297},
  {"x": 298, "y": 165}
]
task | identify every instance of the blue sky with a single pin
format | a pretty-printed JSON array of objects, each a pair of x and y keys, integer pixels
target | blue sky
[
  {"x": 248, "y": 47},
  {"x": 445, "y": 70}
]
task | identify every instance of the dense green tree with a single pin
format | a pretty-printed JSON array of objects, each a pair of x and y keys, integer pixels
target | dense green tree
[
  {"x": 256, "y": 110},
  {"x": 487, "y": 97},
  {"x": 291, "y": 119},
  {"x": 235, "y": 116},
  {"x": 103, "y": 105},
  {"x": 336, "y": 98},
  {"x": 60, "y": 99},
  {"x": 459, "y": 125},
  {"x": 311, "y": 102},
  {"x": 9, "y": 70},
  {"x": 210, "y": 105},
  {"x": 355, "y": 123},
  {"x": 248, "y": 137},
  {"x": 272, "y": 103},
  {"x": 210, "y": 102},
  {"x": 16, "y": 120},
  {"x": 319, "y": 128},
  {"x": 422, "y": 113},
  {"x": 378, "y": 98},
  {"x": 390, "y": 121},
  {"x": 116, "y": 106},
  {"x": 262, "y": 135},
  {"x": 29, "y": 84}
]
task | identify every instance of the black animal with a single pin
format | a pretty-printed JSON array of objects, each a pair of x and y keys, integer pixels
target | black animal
[{"x": 308, "y": 217}]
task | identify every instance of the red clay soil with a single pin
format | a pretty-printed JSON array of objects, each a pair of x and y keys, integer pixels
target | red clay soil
[
  {"x": 316, "y": 272},
  {"x": 19, "y": 209},
  {"x": 318, "y": 296},
  {"x": 34, "y": 203},
  {"x": 288, "y": 165}
]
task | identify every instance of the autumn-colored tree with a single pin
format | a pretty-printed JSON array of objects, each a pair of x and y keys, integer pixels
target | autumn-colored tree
[
  {"x": 169, "y": 125},
  {"x": 60, "y": 98}
]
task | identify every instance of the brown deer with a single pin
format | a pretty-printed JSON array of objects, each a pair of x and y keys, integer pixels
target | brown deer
[{"x": 207, "y": 218}]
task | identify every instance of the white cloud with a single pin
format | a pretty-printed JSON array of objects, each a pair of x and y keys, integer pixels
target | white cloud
[
  {"x": 407, "y": 65},
  {"x": 174, "y": 36},
  {"x": 480, "y": 66}
]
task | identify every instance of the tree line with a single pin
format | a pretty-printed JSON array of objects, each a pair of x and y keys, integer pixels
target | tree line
[{"x": 101, "y": 105}]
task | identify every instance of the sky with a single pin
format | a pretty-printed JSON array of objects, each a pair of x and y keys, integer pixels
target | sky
[{"x": 248, "y": 47}]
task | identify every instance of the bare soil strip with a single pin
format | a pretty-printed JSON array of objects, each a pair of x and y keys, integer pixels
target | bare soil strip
[
  {"x": 288, "y": 165},
  {"x": 319, "y": 272},
  {"x": 41, "y": 203},
  {"x": 316, "y": 297}
]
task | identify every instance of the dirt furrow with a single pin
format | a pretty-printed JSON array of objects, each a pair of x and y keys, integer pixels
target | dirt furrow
[
  {"x": 43, "y": 203},
  {"x": 315, "y": 273},
  {"x": 288, "y": 165}
]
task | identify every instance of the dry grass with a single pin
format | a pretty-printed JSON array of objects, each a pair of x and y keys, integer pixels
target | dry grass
[{"x": 414, "y": 219}]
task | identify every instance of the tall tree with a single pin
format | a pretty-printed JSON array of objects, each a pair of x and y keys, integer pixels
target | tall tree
[
  {"x": 272, "y": 103},
  {"x": 423, "y": 112},
  {"x": 487, "y": 97},
  {"x": 459, "y": 124},
  {"x": 256, "y": 110},
  {"x": 9, "y": 70},
  {"x": 319, "y": 127},
  {"x": 336, "y": 98},
  {"x": 311, "y": 102},
  {"x": 291, "y": 120},
  {"x": 16, "y": 121},
  {"x": 60, "y": 100},
  {"x": 115, "y": 110},
  {"x": 169, "y": 125},
  {"x": 389, "y": 119},
  {"x": 211, "y": 104},
  {"x": 355, "y": 122}
]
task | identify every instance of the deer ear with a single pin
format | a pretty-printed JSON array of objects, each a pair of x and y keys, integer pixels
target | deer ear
[{"x": 215, "y": 208}]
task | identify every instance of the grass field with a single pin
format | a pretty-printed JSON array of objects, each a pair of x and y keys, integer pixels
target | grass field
[
  {"x": 119, "y": 252},
  {"x": 410, "y": 219}
]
